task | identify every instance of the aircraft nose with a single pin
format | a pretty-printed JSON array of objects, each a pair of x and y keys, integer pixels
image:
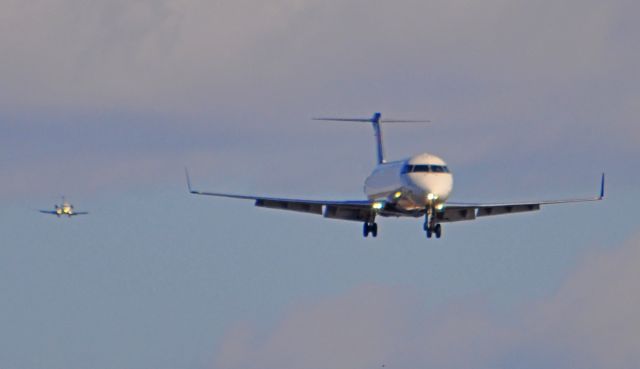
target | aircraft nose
[{"x": 436, "y": 186}]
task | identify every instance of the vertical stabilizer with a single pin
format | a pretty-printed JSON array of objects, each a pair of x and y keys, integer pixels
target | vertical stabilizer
[{"x": 375, "y": 121}]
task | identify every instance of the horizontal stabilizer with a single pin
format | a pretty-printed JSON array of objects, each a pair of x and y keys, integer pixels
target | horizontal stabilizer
[
  {"x": 376, "y": 118},
  {"x": 375, "y": 121}
]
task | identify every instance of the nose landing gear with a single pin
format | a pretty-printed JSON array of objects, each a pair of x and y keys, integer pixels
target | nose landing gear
[
  {"x": 370, "y": 227},
  {"x": 430, "y": 225}
]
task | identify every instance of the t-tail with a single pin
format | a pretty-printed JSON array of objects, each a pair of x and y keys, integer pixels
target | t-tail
[{"x": 375, "y": 121}]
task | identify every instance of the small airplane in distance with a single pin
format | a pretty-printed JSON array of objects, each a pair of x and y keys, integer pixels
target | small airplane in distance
[
  {"x": 416, "y": 187},
  {"x": 64, "y": 209}
]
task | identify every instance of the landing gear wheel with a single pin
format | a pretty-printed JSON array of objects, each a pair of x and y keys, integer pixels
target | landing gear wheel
[
  {"x": 429, "y": 233},
  {"x": 370, "y": 228},
  {"x": 438, "y": 230}
]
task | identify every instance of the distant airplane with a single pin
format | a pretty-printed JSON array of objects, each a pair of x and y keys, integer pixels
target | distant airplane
[
  {"x": 64, "y": 209},
  {"x": 415, "y": 187}
]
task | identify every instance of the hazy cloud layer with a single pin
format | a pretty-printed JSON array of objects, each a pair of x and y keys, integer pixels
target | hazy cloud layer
[
  {"x": 182, "y": 54},
  {"x": 590, "y": 322},
  {"x": 145, "y": 86}
]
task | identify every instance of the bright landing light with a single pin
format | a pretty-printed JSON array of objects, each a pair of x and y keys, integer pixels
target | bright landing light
[{"x": 378, "y": 205}]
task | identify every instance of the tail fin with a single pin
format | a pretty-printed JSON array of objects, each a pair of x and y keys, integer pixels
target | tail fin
[{"x": 375, "y": 122}]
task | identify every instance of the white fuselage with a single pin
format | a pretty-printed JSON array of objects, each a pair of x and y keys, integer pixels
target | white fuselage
[
  {"x": 420, "y": 182},
  {"x": 64, "y": 209}
]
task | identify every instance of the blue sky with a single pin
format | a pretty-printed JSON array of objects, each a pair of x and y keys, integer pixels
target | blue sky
[{"x": 107, "y": 102}]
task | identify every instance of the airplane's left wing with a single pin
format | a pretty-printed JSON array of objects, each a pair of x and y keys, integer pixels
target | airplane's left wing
[
  {"x": 48, "y": 212},
  {"x": 454, "y": 212},
  {"x": 356, "y": 210},
  {"x": 79, "y": 213}
]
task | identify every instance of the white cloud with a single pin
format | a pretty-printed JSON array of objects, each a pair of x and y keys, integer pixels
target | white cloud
[
  {"x": 595, "y": 313},
  {"x": 590, "y": 322},
  {"x": 351, "y": 331}
]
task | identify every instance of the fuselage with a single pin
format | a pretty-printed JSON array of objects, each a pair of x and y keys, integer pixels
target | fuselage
[
  {"x": 414, "y": 184},
  {"x": 64, "y": 209}
]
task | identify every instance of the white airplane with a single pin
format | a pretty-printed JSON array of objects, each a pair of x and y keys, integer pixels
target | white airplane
[
  {"x": 64, "y": 209},
  {"x": 415, "y": 187}
]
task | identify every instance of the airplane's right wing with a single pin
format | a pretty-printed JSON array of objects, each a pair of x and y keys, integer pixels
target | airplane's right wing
[
  {"x": 356, "y": 210},
  {"x": 79, "y": 213}
]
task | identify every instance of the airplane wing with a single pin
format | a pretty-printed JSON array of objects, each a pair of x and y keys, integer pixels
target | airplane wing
[
  {"x": 454, "y": 212},
  {"x": 79, "y": 213},
  {"x": 48, "y": 212},
  {"x": 356, "y": 210}
]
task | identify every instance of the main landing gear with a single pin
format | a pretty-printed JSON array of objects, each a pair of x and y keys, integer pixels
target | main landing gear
[
  {"x": 437, "y": 230},
  {"x": 430, "y": 225},
  {"x": 370, "y": 227}
]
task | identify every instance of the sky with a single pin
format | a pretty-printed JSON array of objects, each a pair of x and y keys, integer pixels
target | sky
[{"x": 106, "y": 102}]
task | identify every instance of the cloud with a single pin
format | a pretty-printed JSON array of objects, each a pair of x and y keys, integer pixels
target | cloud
[
  {"x": 362, "y": 327},
  {"x": 594, "y": 314},
  {"x": 590, "y": 322},
  {"x": 182, "y": 54},
  {"x": 182, "y": 76}
]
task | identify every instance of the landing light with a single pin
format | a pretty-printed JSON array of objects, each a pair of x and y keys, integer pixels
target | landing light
[
  {"x": 378, "y": 205},
  {"x": 431, "y": 197},
  {"x": 397, "y": 195},
  {"x": 439, "y": 207}
]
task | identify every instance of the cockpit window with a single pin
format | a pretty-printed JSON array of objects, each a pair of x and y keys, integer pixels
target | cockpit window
[{"x": 424, "y": 168}]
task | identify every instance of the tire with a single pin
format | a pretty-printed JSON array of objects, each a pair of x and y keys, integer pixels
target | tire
[
  {"x": 374, "y": 230},
  {"x": 438, "y": 230}
]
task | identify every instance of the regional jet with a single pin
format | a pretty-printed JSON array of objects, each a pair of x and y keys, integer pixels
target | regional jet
[
  {"x": 417, "y": 187},
  {"x": 65, "y": 209}
]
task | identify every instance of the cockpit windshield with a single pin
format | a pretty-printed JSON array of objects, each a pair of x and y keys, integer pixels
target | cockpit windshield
[{"x": 425, "y": 168}]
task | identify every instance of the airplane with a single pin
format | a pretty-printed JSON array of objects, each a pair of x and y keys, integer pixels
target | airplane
[
  {"x": 417, "y": 187},
  {"x": 64, "y": 209}
]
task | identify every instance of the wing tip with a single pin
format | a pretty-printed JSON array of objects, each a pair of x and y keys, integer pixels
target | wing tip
[
  {"x": 602, "y": 181},
  {"x": 188, "y": 178}
]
